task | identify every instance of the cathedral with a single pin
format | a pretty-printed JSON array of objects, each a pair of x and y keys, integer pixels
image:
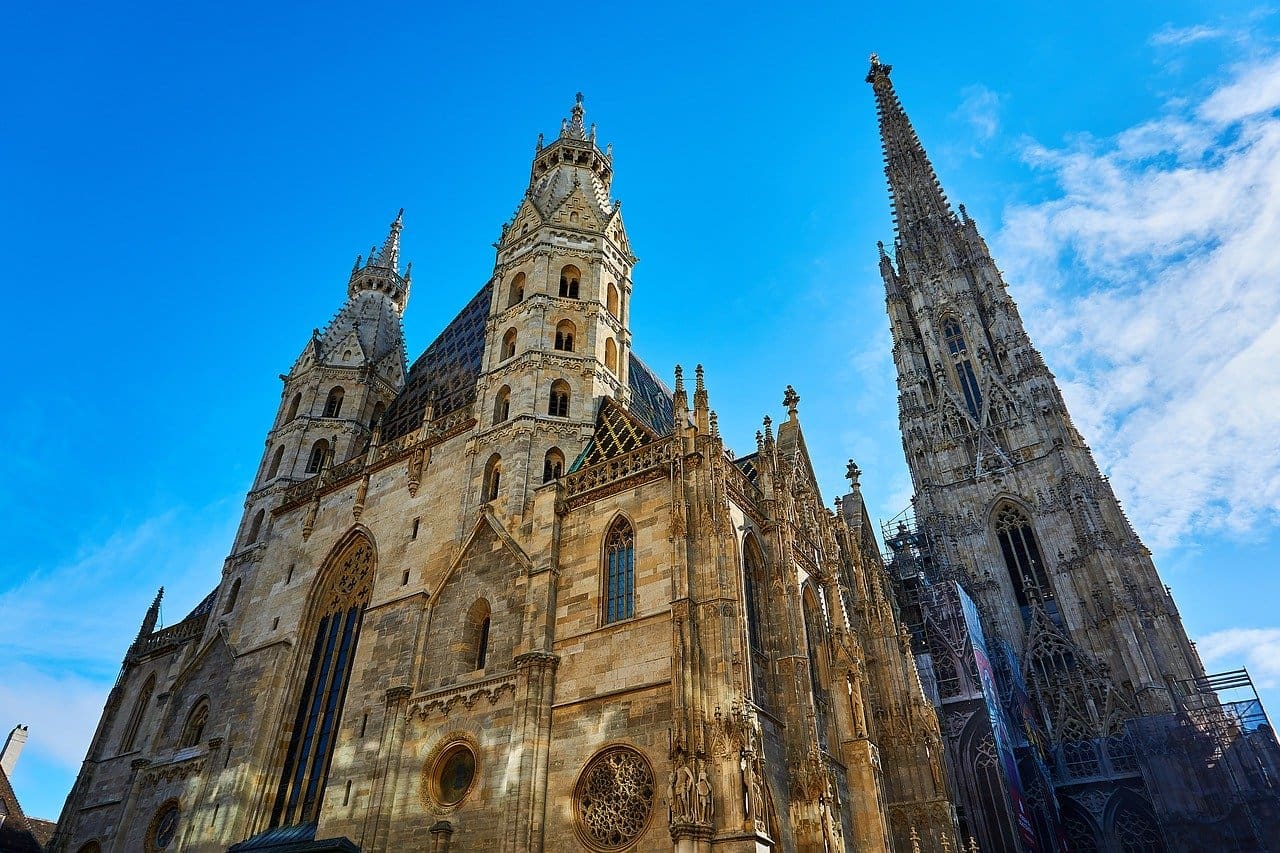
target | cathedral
[{"x": 520, "y": 596}]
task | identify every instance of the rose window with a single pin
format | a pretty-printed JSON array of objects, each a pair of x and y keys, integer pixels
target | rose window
[{"x": 615, "y": 798}]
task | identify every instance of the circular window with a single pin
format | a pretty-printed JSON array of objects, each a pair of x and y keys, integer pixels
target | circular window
[
  {"x": 453, "y": 774},
  {"x": 614, "y": 799},
  {"x": 164, "y": 827}
]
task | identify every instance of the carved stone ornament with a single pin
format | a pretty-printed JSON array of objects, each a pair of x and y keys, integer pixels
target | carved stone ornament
[{"x": 613, "y": 801}]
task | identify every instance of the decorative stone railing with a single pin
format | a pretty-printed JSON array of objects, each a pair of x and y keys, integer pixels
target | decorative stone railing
[
  {"x": 436, "y": 431},
  {"x": 625, "y": 469},
  {"x": 174, "y": 635}
]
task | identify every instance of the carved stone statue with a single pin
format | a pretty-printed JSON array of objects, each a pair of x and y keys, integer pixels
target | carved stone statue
[{"x": 706, "y": 804}]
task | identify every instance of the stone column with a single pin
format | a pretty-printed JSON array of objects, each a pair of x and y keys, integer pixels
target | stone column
[{"x": 382, "y": 803}]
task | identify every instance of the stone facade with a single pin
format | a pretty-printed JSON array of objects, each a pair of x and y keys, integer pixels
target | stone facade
[{"x": 522, "y": 597}]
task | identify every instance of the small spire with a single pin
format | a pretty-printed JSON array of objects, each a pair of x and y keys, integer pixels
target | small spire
[
  {"x": 153, "y": 616},
  {"x": 573, "y": 127},
  {"x": 700, "y": 406},
  {"x": 768, "y": 430},
  {"x": 715, "y": 424},
  {"x": 390, "y": 255}
]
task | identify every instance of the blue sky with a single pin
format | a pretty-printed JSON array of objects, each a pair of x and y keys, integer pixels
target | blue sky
[{"x": 184, "y": 190}]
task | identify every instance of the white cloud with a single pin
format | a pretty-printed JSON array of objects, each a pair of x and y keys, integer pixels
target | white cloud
[
  {"x": 980, "y": 108},
  {"x": 65, "y": 629},
  {"x": 1151, "y": 282},
  {"x": 1259, "y": 648},
  {"x": 1180, "y": 36}
]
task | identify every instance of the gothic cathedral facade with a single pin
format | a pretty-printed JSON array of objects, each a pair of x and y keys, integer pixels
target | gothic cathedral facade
[{"x": 520, "y": 596}]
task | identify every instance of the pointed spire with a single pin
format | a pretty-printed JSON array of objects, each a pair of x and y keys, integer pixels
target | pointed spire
[
  {"x": 573, "y": 126},
  {"x": 700, "y": 406},
  {"x": 389, "y": 255},
  {"x": 916, "y": 194},
  {"x": 153, "y": 616}
]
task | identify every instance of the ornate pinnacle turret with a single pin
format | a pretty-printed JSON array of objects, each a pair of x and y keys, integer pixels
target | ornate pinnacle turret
[
  {"x": 153, "y": 616},
  {"x": 381, "y": 272},
  {"x": 791, "y": 400},
  {"x": 917, "y": 195}
]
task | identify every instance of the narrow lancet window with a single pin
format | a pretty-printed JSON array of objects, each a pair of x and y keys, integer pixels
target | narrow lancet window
[
  {"x": 340, "y": 604},
  {"x": 620, "y": 572},
  {"x": 1021, "y": 553}
]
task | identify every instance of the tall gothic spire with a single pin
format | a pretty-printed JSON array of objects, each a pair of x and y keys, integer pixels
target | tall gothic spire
[
  {"x": 913, "y": 185},
  {"x": 389, "y": 255}
]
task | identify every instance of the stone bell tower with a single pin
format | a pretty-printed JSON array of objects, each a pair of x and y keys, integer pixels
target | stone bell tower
[
  {"x": 557, "y": 340},
  {"x": 1004, "y": 482}
]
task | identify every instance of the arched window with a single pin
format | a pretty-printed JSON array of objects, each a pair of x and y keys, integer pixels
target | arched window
[
  {"x": 515, "y": 295},
  {"x": 612, "y": 301},
  {"x": 193, "y": 731},
  {"x": 477, "y": 634},
  {"x": 569, "y": 279},
  {"x": 379, "y": 410},
  {"x": 231, "y": 599},
  {"x": 564, "y": 336},
  {"x": 815, "y": 630},
  {"x": 91, "y": 847},
  {"x": 953, "y": 337},
  {"x": 620, "y": 572},
  {"x": 611, "y": 355},
  {"x": 255, "y": 528},
  {"x": 502, "y": 405},
  {"x": 552, "y": 466},
  {"x": 754, "y": 585},
  {"x": 508, "y": 345},
  {"x": 492, "y": 477},
  {"x": 319, "y": 452},
  {"x": 293, "y": 407},
  {"x": 336, "y": 612},
  {"x": 276, "y": 458},
  {"x": 1021, "y": 551},
  {"x": 558, "y": 404},
  {"x": 139, "y": 711},
  {"x": 333, "y": 403}
]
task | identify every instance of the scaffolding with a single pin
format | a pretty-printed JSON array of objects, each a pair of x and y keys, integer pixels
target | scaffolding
[{"x": 1204, "y": 776}]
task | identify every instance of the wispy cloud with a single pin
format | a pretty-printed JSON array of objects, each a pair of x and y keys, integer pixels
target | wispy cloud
[
  {"x": 64, "y": 629},
  {"x": 1151, "y": 282},
  {"x": 1171, "y": 36},
  {"x": 980, "y": 109},
  {"x": 1259, "y": 648}
]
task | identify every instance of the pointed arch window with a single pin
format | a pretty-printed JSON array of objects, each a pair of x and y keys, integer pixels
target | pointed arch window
[
  {"x": 255, "y": 529},
  {"x": 516, "y": 293},
  {"x": 552, "y": 465},
  {"x": 479, "y": 619},
  {"x": 276, "y": 458},
  {"x": 231, "y": 598},
  {"x": 193, "y": 731},
  {"x": 558, "y": 403},
  {"x": 612, "y": 301},
  {"x": 319, "y": 452},
  {"x": 620, "y": 572},
  {"x": 569, "y": 282},
  {"x": 1021, "y": 552},
  {"x": 338, "y": 607},
  {"x": 139, "y": 711},
  {"x": 611, "y": 355},
  {"x": 379, "y": 410},
  {"x": 953, "y": 338},
  {"x": 492, "y": 477},
  {"x": 815, "y": 633},
  {"x": 333, "y": 403},
  {"x": 502, "y": 405},
  {"x": 564, "y": 336},
  {"x": 508, "y": 345},
  {"x": 293, "y": 407}
]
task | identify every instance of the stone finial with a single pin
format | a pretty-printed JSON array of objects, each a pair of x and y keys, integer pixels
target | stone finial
[
  {"x": 541, "y": 142},
  {"x": 679, "y": 379},
  {"x": 715, "y": 424},
  {"x": 573, "y": 126},
  {"x": 768, "y": 429},
  {"x": 852, "y": 473},
  {"x": 791, "y": 399}
]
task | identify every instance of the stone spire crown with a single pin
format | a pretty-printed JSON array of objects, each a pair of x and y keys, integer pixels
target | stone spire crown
[
  {"x": 381, "y": 272},
  {"x": 917, "y": 196},
  {"x": 571, "y": 161}
]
